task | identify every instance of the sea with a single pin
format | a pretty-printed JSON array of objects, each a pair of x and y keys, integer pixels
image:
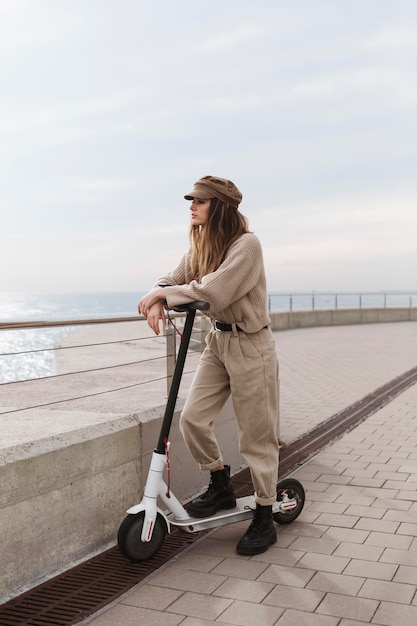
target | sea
[{"x": 28, "y": 353}]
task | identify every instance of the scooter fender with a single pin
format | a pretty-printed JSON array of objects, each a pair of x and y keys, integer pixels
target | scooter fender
[{"x": 149, "y": 521}]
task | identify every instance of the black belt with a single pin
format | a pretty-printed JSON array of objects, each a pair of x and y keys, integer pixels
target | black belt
[
  {"x": 226, "y": 327},
  {"x": 229, "y": 327}
]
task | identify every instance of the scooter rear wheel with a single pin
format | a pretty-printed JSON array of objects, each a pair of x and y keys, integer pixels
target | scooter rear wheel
[
  {"x": 129, "y": 537},
  {"x": 289, "y": 490}
]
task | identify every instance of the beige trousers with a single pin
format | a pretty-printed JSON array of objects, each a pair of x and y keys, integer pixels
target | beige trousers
[{"x": 244, "y": 365}]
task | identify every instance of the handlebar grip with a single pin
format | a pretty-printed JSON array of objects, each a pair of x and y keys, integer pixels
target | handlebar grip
[{"x": 192, "y": 306}]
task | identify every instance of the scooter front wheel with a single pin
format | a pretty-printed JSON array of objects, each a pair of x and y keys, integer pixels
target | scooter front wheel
[
  {"x": 291, "y": 495},
  {"x": 129, "y": 537}
]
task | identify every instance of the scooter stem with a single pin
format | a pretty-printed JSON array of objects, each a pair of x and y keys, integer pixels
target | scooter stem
[{"x": 176, "y": 380}]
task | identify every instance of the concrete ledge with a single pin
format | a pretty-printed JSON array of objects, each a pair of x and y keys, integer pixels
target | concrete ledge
[{"x": 336, "y": 317}]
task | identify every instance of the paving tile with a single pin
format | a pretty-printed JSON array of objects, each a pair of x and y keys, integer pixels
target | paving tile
[
  {"x": 197, "y": 562},
  {"x": 214, "y": 547},
  {"x": 247, "y": 590},
  {"x": 304, "y": 530},
  {"x": 150, "y": 597},
  {"x": 407, "y": 529},
  {"x": 390, "y": 466},
  {"x": 350, "y": 535},
  {"x": 372, "y": 512},
  {"x": 121, "y": 615},
  {"x": 381, "y": 526},
  {"x": 328, "y": 507},
  {"x": 308, "y": 516},
  {"x": 401, "y": 486},
  {"x": 334, "y": 479},
  {"x": 250, "y": 613},
  {"x": 356, "y": 499},
  {"x": 359, "y": 551},
  {"x": 336, "y": 583},
  {"x": 406, "y": 574},
  {"x": 198, "y": 582},
  {"x": 400, "y": 542},
  {"x": 280, "y": 556},
  {"x": 198, "y": 605},
  {"x": 292, "y": 617},
  {"x": 378, "y": 493},
  {"x": 319, "y": 546},
  {"x": 369, "y": 569},
  {"x": 407, "y": 495},
  {"x": 394, "y": 476},
  {"x": 248, "y": 570},
  {"x": 359, "y": 609},
  {"x": 385, "y": 503},
  {"x": 196, "y": 621},
  {"x": 325, "y": 496},
  {"x": 358, "y": 472},
  {"x": 409, "y": 516},
  {"x": 291, "y": 576},
  {"x": 388, "y": 591},
  {"x": 388, "y": 613},
  {"x": 290, "y": 597},
  {"x": 312, "y": 486},
  {"x": 323, "y": 562},
  {"x": 400, "y": 557},
  {"x": 367, "y": 482},
  {"x": 342, "y": 521}
]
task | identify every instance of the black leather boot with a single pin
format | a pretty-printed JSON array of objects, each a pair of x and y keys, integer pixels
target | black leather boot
[
  {"x": 261, "y": 533},
  {"x": 219, "y": 495}
]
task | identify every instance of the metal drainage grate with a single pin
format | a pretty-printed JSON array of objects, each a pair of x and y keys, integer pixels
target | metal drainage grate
[{"x": 71, "y": 597}]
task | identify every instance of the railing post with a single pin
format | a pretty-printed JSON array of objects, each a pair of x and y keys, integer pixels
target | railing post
[
  {"x": 335, "y": 301},
  {"x": 360, "y": 300},
  {"x": 171, "y": 353},
  {"x": 290, "y": 303},
  {"x": 312, "y": 302}
]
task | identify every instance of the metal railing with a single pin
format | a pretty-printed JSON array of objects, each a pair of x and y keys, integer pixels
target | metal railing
[
  {"x": 170, "y": 335},
  {"x": 278, "y": 301}
]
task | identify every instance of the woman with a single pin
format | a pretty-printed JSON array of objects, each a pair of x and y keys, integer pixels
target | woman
[{"x": 224, "y": 267}]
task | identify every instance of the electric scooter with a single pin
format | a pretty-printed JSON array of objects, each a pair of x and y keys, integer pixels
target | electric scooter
[{"x": 142, "y": 532}]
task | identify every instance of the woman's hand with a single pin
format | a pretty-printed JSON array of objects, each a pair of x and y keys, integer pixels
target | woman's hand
[{"x": 151, "y": 306}]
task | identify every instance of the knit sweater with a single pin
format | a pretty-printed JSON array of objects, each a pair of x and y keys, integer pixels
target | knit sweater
[{"x": 236, "y": 291}]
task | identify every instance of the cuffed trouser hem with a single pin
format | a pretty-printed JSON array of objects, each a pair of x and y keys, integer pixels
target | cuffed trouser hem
[
  {"x": 265, "y": 501},
  {"x": 212, "y": 467}
]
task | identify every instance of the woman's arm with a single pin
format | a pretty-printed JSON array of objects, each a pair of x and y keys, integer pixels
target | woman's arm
[{"x": 151, "y": 306}]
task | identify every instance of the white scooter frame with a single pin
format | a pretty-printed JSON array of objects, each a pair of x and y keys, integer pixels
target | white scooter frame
[{"x": 143, "y": 531}]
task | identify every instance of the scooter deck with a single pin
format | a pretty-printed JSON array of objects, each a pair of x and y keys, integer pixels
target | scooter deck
[{"x": 243, "y": 510}]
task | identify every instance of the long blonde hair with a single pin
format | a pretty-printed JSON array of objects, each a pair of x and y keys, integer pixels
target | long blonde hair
[{"x": 210, "y": 242}]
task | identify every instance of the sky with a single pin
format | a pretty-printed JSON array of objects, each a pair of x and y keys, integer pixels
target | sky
[{"x": 110, "y": 110}]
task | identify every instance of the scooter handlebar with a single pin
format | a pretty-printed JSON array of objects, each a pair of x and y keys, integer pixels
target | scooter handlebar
[{"x": 192, "y": 306}]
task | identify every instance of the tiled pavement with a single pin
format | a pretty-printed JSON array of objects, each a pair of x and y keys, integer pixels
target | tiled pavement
[{"x": 351, "y": 556}]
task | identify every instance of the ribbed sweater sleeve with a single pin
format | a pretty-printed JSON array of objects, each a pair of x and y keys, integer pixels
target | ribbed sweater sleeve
[{"x": 236, "y": 291}]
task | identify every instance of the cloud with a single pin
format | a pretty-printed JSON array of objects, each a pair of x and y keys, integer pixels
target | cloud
[
  {"x": 243, "y": 34},
  {"x": 397, "y": 37}
]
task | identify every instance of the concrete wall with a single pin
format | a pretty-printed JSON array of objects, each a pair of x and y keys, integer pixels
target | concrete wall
[
  {"x": 62, "y": 499},
  {"x": 335, "y": 317}
]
